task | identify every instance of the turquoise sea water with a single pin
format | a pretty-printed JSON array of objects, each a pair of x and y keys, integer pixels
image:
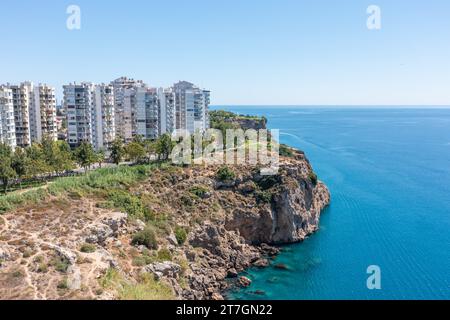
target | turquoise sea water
[{"x": 388, "y": 171}]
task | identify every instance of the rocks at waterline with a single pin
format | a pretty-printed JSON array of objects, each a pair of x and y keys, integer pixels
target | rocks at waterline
[{"x": 244, "y": 281}]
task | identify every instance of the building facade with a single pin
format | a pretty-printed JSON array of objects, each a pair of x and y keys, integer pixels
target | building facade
[
  {"x": 90, "y": 114},
  {"x": 191, "y": 107},
  {"x": 104, "y": 127},
  {"x": 166, "y": 100},
  {"x": 22, "y": 95},
  {"x": 124, "y": 95},
  {"x": 78, "y": 103},
  {"x": 97, "y": 114},
  {"x": 147, "y": 112},
  {"x": 43, "y": 114},
  {"x": 7, "y": 124},
  {"x": 34, "y": 112}
]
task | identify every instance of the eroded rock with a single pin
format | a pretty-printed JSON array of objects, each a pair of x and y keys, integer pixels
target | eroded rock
[{"x": 163, "y": 269}]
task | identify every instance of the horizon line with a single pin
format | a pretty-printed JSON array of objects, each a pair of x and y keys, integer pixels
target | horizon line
[{"x": 334, "y": 105}]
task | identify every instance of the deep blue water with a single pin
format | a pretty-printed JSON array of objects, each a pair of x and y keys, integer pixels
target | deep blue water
[{"x": 388, "y": 171}]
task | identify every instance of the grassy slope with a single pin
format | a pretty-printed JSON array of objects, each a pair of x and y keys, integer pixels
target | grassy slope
[{"x": 97, "y": 182}]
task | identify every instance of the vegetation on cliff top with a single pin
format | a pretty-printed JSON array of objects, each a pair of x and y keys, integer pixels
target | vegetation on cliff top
[
  {"x": 41, "y": 162},
  {"x": 224, "y": 120},
  {"x": 106, "y": 181}
]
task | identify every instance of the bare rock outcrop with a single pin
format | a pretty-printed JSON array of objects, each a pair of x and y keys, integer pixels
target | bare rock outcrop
[
  {"x": 161, "y": 269},
  {"x": 294, "y": 201}
]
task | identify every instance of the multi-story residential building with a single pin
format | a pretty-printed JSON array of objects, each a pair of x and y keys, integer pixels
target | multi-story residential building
[
  {"x": 7, "y": 125},
  {"x": 147, "y": 113},
  {"x": 124, "y": 93},
  {"x": 104, "y": 129},
  {"x": 22, "y": 103},
  {"x": 78, "y": 102},
  {"x": 205, "y": 112},
  {"x": 166, "y": 99},
  {"x": 43, "y": 114},
  {"x": 34, "y": 112},
  {"x": 127, "y": 126},
  {"x": 90, "y": 114},
  {"x": 191, "y": 107}
]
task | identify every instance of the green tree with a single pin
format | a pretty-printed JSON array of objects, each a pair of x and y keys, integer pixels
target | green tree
[
  {"x": 62, "y": 157},
  {"x": 150, "y": 148},
  {"x": 164, "y": 146},
  {"x": 6, "y": 171},
  {"x": 135, "y": 151},
  {"x": 35, "y": 161},
  {"x": 117, "y": 151},
  {"x": 139, "y": 139},
  {"x": 48, "y": 151},
  {"x": 57, "y": 155},
  {"x": 85, "y": 155},
  {"x": 100, "y": 157},
  {"x": 19, "y": 162}
]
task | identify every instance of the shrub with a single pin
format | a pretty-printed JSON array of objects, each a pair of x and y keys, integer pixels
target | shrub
[
  {"x": 263, "y": 197},
  {"x": 138, "y": 261},
  {"x": 164, "y": 255},
  {"x": 42, "y": 268},
  {"x": 160, "y": 221},
  {"x": 181, "y": 235},
  {"x": 285, "y": 151},
  {"x": 39, "y": 259},
  {"x": 146, "y": 237},
  {"x": 63, "y": 285},
  {"x": 61, "y": 264},
  {"x": 127, "y": 202},
  {"x": 27, "y": 253},
  {"x": 187, "y": 200},
  {"x": 313, "y": 178},
  {"x": 88, "y": 248},
  {"x": 199, "y": 191},
  {"x": 18, "y": 274},
  {"x": 269, "y": 181},
  {"x": 225, "y": 174}
]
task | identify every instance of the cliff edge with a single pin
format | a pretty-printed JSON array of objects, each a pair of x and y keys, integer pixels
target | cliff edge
[{"x": 154, "y": 231}]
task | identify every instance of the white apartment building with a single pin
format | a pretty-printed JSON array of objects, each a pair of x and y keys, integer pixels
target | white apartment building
[
  {"x": 22, "y": 103},
  {"x": 79, "y": 105},
  {"x": 191, "y": 107},
  {"x": 124, "y": 94},
  {"x": 90, "y": 114},
  {"x": 7, "y": 125},
  {"x": 166, "y": 99},
  {"x": 127, "y": 123},
  {"x": 34, "y": 112},
  {"x": 104, "y": 129},
  {"x": 43, "y": 114},
  {"x": 147, "y": 113}
]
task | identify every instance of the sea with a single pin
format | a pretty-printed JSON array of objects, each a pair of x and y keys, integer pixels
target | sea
[{"x": 386, "y": 233}]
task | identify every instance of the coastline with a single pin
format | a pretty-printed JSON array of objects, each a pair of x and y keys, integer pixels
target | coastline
[{"x": 174, "y": 232}]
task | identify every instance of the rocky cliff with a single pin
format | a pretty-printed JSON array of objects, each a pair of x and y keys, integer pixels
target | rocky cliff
[
  {"x": 76, "y": 247},
  {"x": 157, "y": 231},
  {"x": 290, "y": 210}
]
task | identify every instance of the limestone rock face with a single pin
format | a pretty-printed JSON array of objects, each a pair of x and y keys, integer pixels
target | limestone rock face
[
  {"x": 107, "y": 228},
  {"x": 166, "y": 268},
  {"x": 293, "y": 211},
  {"x": 116, "y": 220}
]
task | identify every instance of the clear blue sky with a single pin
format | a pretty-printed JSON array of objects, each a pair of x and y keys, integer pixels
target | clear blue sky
[{"x": 245, "y": 52}]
